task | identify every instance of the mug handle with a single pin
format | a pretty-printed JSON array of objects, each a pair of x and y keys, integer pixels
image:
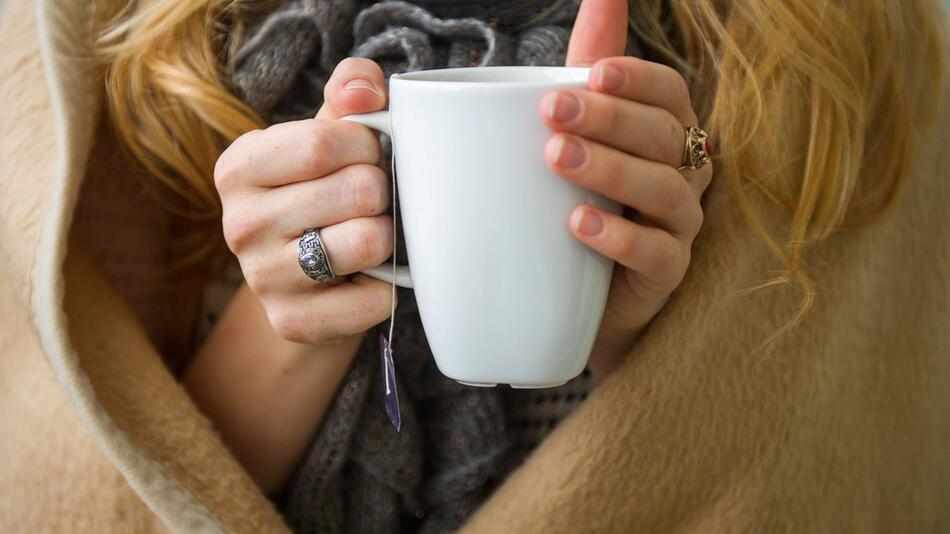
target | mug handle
[{"x": 379, "y": 120}]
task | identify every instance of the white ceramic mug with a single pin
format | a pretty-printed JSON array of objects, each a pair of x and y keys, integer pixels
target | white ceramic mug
[{"x": 505, "y": 292}]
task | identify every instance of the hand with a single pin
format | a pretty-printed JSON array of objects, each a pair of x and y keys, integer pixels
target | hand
[
  {"x": 314, "y": 173},
  {"x": 624, "y": 138}
]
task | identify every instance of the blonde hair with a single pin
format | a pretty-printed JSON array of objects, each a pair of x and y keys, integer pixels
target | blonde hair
[
  {"x": 816, "y": 105},
  {"x": 169, "y": 106}
]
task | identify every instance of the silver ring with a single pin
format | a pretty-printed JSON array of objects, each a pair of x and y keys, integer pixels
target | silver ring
[{"x": 312, "y": 257}]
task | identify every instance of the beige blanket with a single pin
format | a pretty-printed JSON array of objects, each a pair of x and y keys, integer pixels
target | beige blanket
[{"x": 845, "y": 427}]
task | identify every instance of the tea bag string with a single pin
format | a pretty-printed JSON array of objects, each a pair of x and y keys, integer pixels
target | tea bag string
[
  {"x": 390, "y": 396},
  {"x": 392, "y": 170}
]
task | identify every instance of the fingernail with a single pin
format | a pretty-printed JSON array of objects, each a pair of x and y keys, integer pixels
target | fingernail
[
  {"x": 611, "y": 77},
  {"x": 564, "y": 107},
  {"x": 589, "y": 223},
  {"x": 569, "y": 154},
  {"x": 357, "y": 83}
]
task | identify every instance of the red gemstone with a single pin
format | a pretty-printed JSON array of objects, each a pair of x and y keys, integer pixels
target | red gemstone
[{"x": 709, "y": 147}]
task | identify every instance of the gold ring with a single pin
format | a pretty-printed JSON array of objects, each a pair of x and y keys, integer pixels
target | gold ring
[{"x": 698, "y": 149}]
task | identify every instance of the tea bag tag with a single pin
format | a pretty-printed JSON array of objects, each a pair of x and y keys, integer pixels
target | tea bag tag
[
  {"x": 386, "y": 363},
  {"x": 390, "y": 397}
]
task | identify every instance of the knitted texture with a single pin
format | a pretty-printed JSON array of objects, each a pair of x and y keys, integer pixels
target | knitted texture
[
  {"x": 456, "y": 442},
  {"x": 282, "y": 67}
]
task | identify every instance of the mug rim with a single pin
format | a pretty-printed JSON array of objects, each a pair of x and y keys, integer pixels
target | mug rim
[{"x": 538, "y": 76}]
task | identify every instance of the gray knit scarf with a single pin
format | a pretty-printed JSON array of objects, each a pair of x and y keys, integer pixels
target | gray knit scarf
[{"x": 360, "y": 475}]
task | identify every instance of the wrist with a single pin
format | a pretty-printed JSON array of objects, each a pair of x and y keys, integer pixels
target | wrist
[{"x": 265, "y": 395}]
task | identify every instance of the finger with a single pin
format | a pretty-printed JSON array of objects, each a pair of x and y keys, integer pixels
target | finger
[
  {"x": 645, "y": 131},
  {"x": 657, "y": 191},
  {"x": 355, "y": 244},
  {"x": 644, "y": 81},
  {"x": 305, "y": 317},
  {"x": 292, "y": 152},
  {"x": 655, "y": 255},
  {"x": 600, "y": 30},
  {"x": 355, "y": 191},
  {"x": 653, "y": 84},
  {"x": 281, "y": 214},
  {"x": 350, "y": 246},
  {"x": 356, "y": 86}
]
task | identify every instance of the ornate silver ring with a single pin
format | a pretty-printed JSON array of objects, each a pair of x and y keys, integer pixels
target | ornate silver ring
[{"x": 312, "y": 257}]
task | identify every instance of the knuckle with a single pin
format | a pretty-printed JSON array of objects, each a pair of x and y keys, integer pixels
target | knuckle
[
  {"x": 663, "y": 261},
  {"x": 357, "y": 133},
  {"x": 367, "y": 190},
  {"x": 318, "y": 144},
  {"x": 673, "y": 194},
  {"x": 624, "y": 246},
  {"x": 696, "y": 221},
  {"x": 366, "y": 243},
  {"x": 227, "y": 168},
  {"x": 606, "y": 173},
  {"x": 257, "y": 274},
  {"x": 613, "y": 120},
  {"x": 369, "y": 307},
  {"x": 680, "y": 87},
  {"x": 375, "y": 304},
  {"x": 225, "y": 172},
  {"x": 288, "y": 322},
  {"x": 240, "y": 228},
  {"x": 677, "y": 140},
  {"x": 624, "y": 250}
]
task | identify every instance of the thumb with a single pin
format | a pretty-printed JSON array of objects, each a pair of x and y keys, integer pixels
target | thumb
[
  {"x": 600, "y": 30},
  {"x": 356, "y": 86}
]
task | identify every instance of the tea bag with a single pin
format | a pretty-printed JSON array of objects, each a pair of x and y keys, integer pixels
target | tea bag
[{"x": 391, "y": 398}]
